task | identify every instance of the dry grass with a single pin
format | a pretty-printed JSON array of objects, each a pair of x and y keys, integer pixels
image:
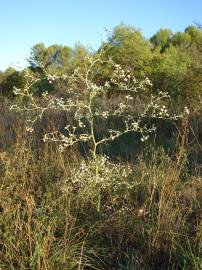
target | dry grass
[{"x": 45, "y": 224}]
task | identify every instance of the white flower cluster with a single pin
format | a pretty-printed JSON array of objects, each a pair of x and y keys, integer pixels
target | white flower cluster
[
  {"x": 186, "y": 110},
  {"x": 129, "y": 97},
  {"x": 93, "y": 177},
  {"x": 144, "y": 138},
  {"x": 123, "y": 79},
  {"x": 69, "y": 140},
  {"x": 86, "y": 103}
]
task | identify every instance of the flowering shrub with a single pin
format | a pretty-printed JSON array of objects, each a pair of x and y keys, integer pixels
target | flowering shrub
[
  {"x": 97, "y": 176},
  {"x": 87, "y": 103}
]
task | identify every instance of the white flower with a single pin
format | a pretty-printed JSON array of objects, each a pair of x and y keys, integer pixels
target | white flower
[
  {"x": 186, "y": 110},
  {"x": 29, "y": 129},
  {"x": 129, "y": 97}
]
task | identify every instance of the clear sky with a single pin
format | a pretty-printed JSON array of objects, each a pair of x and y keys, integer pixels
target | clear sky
[{"x": 27, "y": 22}]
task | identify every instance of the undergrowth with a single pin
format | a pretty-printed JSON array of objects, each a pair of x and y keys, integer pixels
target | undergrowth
[
  {"x": 149, "y": 215},
  {"x": 60, "y": 209}
]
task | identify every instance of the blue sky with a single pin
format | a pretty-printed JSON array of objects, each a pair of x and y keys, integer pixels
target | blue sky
[{"x": 27, "y": 22}]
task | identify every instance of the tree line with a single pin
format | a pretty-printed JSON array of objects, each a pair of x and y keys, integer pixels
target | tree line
[{"x": 172, "y": 61}]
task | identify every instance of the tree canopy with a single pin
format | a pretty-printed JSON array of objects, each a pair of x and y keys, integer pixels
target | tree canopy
[{"x": 172, "y": 61}]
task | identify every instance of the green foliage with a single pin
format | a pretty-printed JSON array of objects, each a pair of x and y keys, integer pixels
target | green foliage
[
  {"x": 55, "y": 57},
  {"x": 161, "y": 39},
  {"x": 182, "y": 40},
  {"x": 127, "y": 47},
  {"x": 176, "y": 65},
  {"x": 169, "y": 69},
  {"x": 80, "y": 52},
  {"x": 172, "y": 61},
  {"x": 9, "y": 79}
]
